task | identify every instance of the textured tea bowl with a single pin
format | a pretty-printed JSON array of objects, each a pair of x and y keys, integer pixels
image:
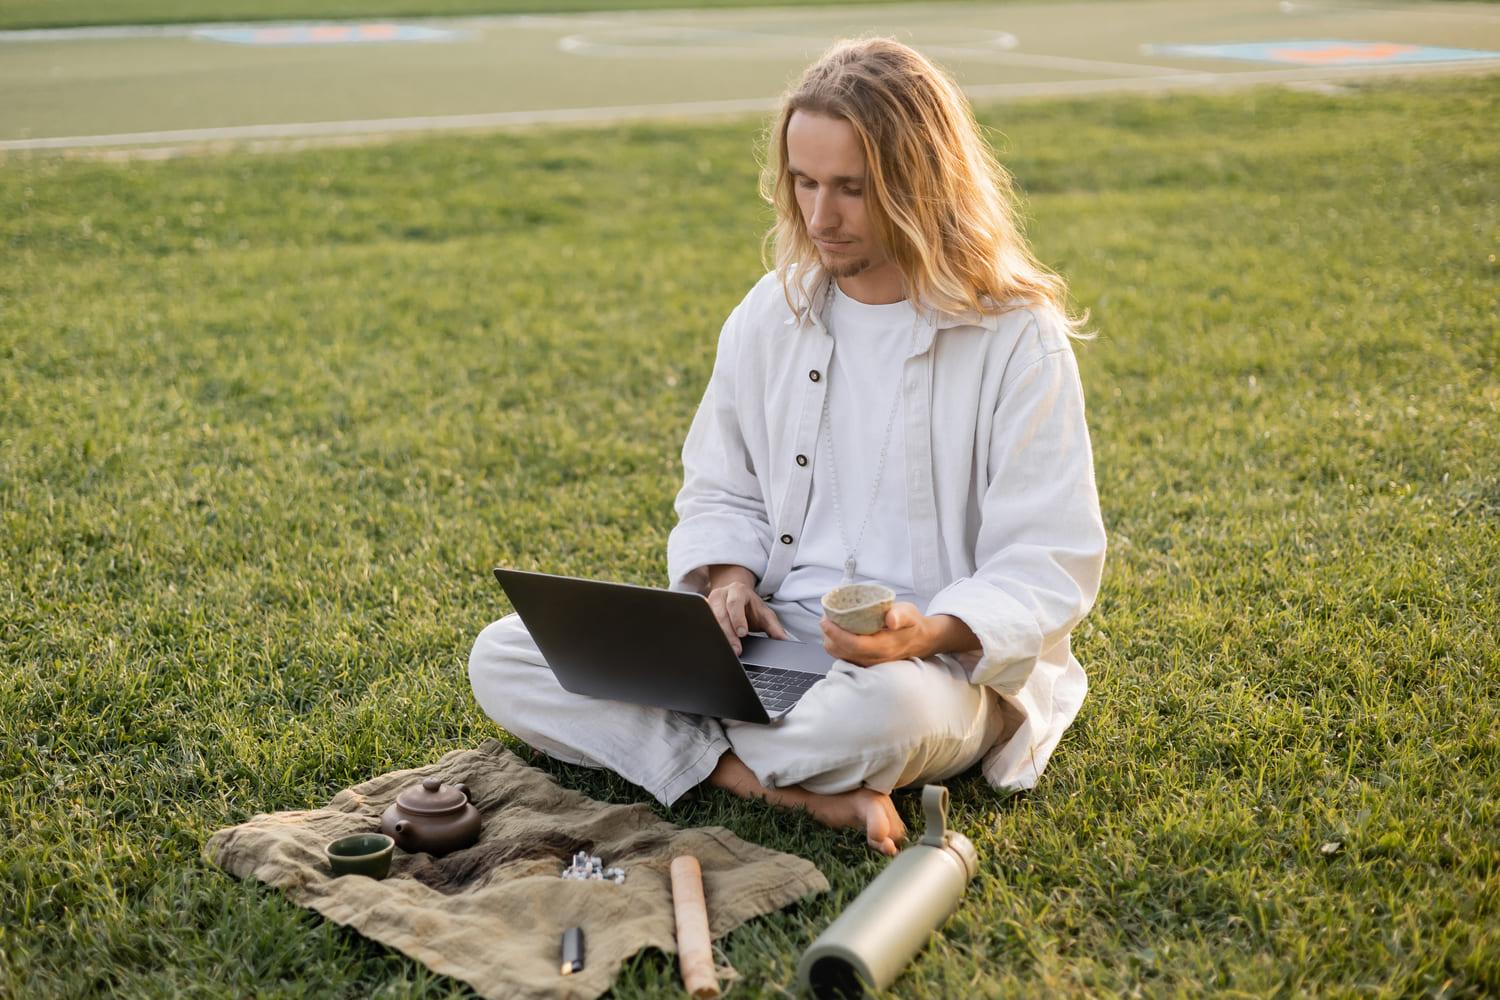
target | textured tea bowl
[
  {"x": 859, "y": 607},
  {"x": 361, "y": 854}
]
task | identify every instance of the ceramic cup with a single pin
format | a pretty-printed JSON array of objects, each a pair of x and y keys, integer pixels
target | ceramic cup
[
  {"x": 859, "y": 607},
  {"x": 361, "y": 854}
]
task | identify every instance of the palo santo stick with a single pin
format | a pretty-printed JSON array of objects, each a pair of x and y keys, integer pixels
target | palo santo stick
[{"x": 694, "y": 952}]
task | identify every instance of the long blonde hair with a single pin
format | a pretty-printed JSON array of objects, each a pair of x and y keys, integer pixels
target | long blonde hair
[{"x": 941, "y": 204}]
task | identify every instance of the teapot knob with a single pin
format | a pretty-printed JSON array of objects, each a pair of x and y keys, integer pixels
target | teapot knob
[{"x": 432, "y": 784}]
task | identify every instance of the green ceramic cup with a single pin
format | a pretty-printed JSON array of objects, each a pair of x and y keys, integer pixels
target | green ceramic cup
[{"x": 361, "y": 854}]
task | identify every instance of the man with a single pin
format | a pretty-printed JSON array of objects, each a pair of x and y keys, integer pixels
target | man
[{"x": 898, "y": 401}]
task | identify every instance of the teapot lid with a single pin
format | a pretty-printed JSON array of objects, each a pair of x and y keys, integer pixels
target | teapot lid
[{"x": 432, "y": 797}]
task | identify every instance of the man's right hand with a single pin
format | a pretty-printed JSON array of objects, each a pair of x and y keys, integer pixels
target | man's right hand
[{"x": 731, "y": 593}]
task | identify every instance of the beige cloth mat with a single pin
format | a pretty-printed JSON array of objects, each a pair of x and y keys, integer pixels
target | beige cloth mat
[{"x": 493, "y": 915}]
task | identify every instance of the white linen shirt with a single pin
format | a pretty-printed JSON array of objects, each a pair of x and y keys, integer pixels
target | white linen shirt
[{"x": 1006, "y": 533}]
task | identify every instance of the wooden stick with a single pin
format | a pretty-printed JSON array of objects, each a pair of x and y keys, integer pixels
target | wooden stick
[{"x": 694, "y": 952}]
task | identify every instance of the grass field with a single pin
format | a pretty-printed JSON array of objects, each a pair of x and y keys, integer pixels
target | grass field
[
  {"x": 267, "y": 421},
  {"x": 21, "y": 14}
]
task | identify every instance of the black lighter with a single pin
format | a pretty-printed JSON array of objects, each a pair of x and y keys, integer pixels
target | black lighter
[{"x": 572, "y": 951}]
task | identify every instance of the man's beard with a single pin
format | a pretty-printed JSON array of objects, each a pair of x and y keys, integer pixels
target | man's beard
[{"x": 844, "y": 267}]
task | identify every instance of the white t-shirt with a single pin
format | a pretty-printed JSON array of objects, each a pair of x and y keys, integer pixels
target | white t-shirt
[{"x": 871, "y": 345}]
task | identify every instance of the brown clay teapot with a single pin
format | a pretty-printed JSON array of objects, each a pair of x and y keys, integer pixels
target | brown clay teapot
[{"x": 432, "y": 818}]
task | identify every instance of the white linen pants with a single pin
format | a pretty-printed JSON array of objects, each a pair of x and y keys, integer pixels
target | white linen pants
[{"x": 881, "y": 727}]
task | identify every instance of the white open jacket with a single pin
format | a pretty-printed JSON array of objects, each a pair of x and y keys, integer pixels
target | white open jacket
[{"x": 1004, "y": 513}]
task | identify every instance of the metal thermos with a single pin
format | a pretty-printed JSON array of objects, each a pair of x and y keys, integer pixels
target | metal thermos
[{"x": 866, "y": 948}]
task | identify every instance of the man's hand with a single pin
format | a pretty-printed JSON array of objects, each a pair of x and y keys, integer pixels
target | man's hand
[
  {"x": 738, "y": 607},
  {"x": 908, "y": 633}
]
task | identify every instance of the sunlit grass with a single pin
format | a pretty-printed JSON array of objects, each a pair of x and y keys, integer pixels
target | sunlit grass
[{"x": 267, "y": 421}]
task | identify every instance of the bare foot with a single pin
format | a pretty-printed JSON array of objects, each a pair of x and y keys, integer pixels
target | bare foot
[{"x": 861, "y": 808}]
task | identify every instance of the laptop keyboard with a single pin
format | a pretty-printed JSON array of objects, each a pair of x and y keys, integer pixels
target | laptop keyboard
[{"x": 779, "y": 689}]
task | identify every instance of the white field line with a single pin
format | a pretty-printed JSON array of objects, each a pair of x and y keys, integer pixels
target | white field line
[
  {"x": 676, "y": 41},
  {"x": 1039, "y": 61},
  {"x": 425, "y": 123},
  {"x": 668, "y": 42},
  {"x": 657, "y": 43}
]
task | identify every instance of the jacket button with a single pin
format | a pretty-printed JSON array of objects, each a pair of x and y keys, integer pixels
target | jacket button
[
  {"x": 786, "y": 539},
  {"x": 815, "y": 375},
  {"x": 801, "y": 459}
]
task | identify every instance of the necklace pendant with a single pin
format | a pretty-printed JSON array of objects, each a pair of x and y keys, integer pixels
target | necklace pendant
[{"x": 849, "y": 570}]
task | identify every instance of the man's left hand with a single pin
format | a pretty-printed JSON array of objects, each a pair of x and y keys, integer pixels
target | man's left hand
[{"x": 908, "y": 633}]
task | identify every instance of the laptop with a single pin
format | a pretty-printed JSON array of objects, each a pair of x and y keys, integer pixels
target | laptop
[{"x": 658, "y": 647}]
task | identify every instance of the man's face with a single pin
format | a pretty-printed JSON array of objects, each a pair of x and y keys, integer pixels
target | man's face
[{"x": 827, "y": 166}]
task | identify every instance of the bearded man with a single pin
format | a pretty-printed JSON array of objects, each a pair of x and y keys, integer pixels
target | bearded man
[{"x": 896, "y": 402}]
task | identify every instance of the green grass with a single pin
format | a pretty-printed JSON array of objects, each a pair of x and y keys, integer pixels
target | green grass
[
  {"x": 267, "y": 421},
  {"x": 21, "y": 14}
]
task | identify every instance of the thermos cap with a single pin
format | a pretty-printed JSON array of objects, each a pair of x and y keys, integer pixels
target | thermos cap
[
  {"x": 963, "y": 848},
  {"x": 937, "y": 834}
]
